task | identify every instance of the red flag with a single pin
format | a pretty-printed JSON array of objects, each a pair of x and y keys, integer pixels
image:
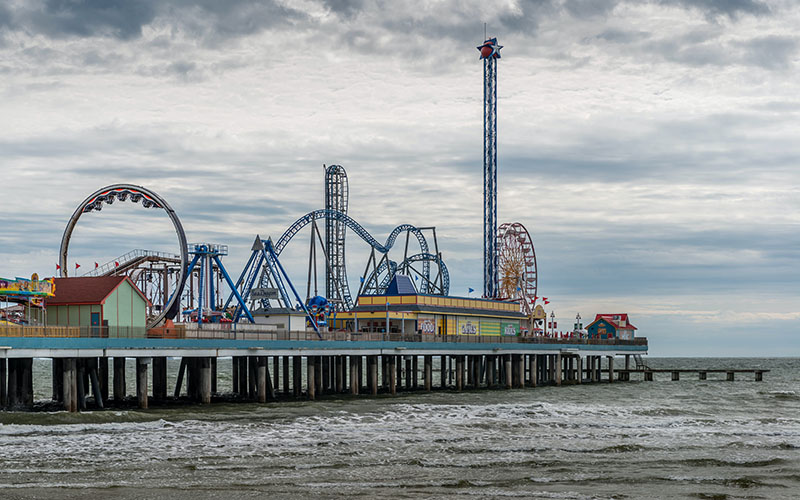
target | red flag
[
  {"x": 546, "y": 301},
  {"x": 96, "y": 265},
  {"x": 544, "y": 298},
  {"x": 58, "y": 267},
  {"x": 77, "y": 265},
  {"x": 116, "y": 264},
  {"x": 535, "y": 297}
]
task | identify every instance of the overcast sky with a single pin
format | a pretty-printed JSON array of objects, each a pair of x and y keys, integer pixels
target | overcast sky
[{"x": 651, "y": 147}]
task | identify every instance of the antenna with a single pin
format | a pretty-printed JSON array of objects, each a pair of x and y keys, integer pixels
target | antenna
[{"x": 484, "y": 31}]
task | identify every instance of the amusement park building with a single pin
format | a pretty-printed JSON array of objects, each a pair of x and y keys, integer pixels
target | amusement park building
[
  {"x": 611, "y": 326},
  {"x": 432, "y": 314},
  {"x": 109, "y": 301}
]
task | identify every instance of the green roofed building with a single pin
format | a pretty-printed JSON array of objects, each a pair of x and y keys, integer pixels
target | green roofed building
[{"x": 107, "y": 306}]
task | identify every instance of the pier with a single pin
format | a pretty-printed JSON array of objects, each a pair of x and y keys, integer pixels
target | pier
[
  {"x": 271, "y": 366},
  {"x": 701, "y": 372}
]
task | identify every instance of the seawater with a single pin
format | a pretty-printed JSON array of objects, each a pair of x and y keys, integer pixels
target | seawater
[{"x": 661, "y": 439}]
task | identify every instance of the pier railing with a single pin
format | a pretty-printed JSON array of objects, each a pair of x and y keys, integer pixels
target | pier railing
[{"x": 264, "y": 332}]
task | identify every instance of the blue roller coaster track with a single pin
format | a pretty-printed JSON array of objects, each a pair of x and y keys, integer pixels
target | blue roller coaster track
[
  {"x": 427, "y": 286},
  {"x": 424, "y": 256}
]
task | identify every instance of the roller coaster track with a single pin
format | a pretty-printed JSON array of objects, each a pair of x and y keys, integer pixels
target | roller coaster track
[{"x": 362, "y": 233}]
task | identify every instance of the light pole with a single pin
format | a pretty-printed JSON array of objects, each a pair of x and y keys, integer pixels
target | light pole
[
  {"x": 386, "y": 330},
  {"x": 552, "y": 323}
]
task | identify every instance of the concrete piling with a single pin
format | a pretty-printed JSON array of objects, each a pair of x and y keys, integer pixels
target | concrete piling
[
  {"x": 141, "y": 381},
  {"x": 58, "y": 376},
  {"x": 311, "y": 378},
  {"x": 261, "y": 378},
  {"x": 428, "y": 368},
  {"x": 373, "y": 374},
  {"x": 160, "y": 378},
  {"x": 392, "y": 374},
  {"x": 297, "y": 376},
  {"x": 70, "y": 384},
  {"x": 285, "y": 375},
  {"x": 459, "y": 373},
  {"x": 3, "y": 383}
]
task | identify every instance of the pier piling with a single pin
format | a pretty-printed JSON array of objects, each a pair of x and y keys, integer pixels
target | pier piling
[
  {"x": 393, "y": 374},
  {"x": 70, "y": 385},
  {"x": 428, "y": 367},
  {"x": 311, "y": 378},
  {"x": 141, "y": 382}
]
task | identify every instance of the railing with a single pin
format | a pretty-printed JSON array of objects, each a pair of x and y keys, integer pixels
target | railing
[
  {"x": 127, "y": 258},
  {"x": 269, "y": 332}
]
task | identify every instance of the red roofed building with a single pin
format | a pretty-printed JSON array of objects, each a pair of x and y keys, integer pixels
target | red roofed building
[
  {"x": 108, "y": 301},
  {"x": 611, "y": 326}
]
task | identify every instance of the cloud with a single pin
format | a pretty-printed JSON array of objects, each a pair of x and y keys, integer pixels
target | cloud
[
  {"x": 63, "y": 18},
  {"x": 730, "y": 8},
  {"x": 125, "y": 20}
]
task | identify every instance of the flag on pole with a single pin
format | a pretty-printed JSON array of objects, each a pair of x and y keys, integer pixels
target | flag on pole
[
  {"x": 96, "y": 265},
  {"x": 77, "y": 265},
  {"x": 546, "y": 301},
  {"x": 116, "y": 264},
  {"x": 58, "y": 267},
  {"x": 471, "y": 290}
]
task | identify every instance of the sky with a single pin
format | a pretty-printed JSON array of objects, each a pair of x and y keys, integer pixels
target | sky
[{"x": 649, "y": 147}]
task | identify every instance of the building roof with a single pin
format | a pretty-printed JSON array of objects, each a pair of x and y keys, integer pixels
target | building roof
[
  {"x": 615, "y": 320},
  {"x": 88, "y": 290},
  {"x": 401, "y": 285}
]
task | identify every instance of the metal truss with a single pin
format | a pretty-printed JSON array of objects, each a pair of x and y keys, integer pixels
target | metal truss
[
  {"x": 490, "y": 53},
  {"x": 336, "y": 198},
  {"x": 362, "y": 233}
]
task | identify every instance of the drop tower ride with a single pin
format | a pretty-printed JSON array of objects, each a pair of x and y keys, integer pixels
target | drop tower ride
[{"x": 490, "y": 53}]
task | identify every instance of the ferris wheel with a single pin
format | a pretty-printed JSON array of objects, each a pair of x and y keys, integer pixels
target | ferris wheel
[{"x": 517, "y": 265}]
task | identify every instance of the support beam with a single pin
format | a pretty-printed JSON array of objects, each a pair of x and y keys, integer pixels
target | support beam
[
  {"x": 178, "y": 382},
  {"x": 373, "y": 374},
  {"x": 141, "y": 381},
  {"x": 393, "y": 374},
  {"x": 285, "y": 376},
  {"x": 58, "y": 377},
  {"x": 311, "y": 378},
  {"x": 443, "y": 371},
  {"x": 459, "y": 373},
  {"x": 102, "y": 372},
  {"x": 120, "y": 388},
  {"x": 507, "y": 370},
  {"x": 261, "y": 378},
  {"x": 204, "y": 379},
  {"x": 428, "y": 367},
  {"x": 559, "y": 367},
  {"x": 98, "y": 397},
  {"x": 297, "y": 376},
  {"x": 354, "y": 382},
  {"x": 70, "y": 385},
  {"x": 160, "y": 378}
]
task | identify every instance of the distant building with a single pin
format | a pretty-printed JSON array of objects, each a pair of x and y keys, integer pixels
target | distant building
[
  {"x": 108, "y": 301},
  {"x": 611, "y": 326}
]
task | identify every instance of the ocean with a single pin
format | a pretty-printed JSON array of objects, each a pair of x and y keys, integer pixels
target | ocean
[{"x": 687, "y": 439}]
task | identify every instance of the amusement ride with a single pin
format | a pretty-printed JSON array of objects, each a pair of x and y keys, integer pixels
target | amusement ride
[{"x": 196, "y": 288}]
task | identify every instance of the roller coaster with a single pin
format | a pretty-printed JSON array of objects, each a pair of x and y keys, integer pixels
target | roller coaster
[{"x": 386, "y": 269}]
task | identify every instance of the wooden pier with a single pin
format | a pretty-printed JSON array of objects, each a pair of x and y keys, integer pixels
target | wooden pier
[
  {"x": 702, "y": 373},
  {"x": 295, "y": 365}
]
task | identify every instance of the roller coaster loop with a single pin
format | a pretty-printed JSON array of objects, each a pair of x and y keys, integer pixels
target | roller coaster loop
[{"x": 361, "y": 232}]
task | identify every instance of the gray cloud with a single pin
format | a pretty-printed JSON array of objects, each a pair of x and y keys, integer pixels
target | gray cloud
[
  {"x": 770, "y": 52},
  {"x": 730, "y": 8},
  {"x": 115, "y": 18},
  {"x": 125, "y": 20}
]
